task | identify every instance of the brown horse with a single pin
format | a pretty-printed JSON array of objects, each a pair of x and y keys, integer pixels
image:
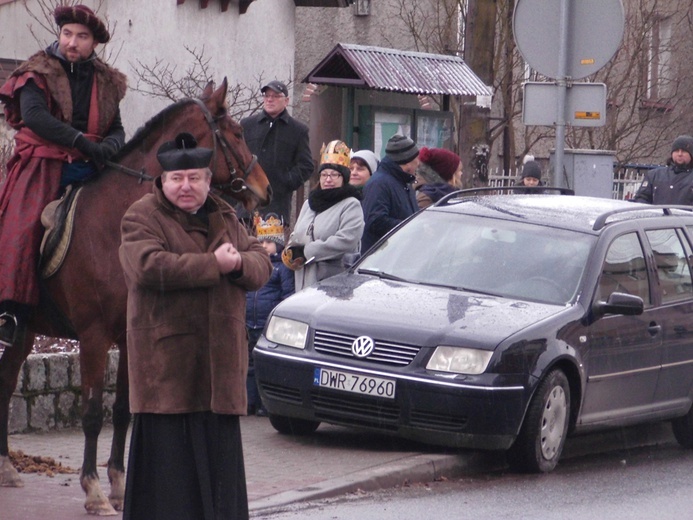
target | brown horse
[{"x": 89, "y": 289}]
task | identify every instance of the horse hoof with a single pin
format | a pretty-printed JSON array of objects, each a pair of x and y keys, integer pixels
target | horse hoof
[
  {"x": 100, "y": 510},
  {"x": 8, "y": 474},
  {"x": 117, "y": 496},
  {"x": 96, "y": 504}
]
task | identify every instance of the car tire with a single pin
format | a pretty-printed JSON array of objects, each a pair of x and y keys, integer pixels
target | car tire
[
  {"x": 292, "y": 426},
  {"x": 542, "y": 436},
  {"x": 683, "y": 429}
]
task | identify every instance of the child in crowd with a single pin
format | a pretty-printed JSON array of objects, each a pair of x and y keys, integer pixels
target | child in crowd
[{"x": 259, "y": 304}]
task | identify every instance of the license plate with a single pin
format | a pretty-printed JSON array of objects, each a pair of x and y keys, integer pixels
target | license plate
[{"x": 356, "y": 383}]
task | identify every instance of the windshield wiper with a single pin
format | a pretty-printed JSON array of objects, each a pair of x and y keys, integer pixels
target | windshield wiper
[{"x": 382, "y": 275}]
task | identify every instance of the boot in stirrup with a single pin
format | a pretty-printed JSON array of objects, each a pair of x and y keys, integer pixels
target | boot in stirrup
[{"x": 8, "y": 329}]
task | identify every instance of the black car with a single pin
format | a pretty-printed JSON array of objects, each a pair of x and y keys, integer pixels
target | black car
[{"x": 500, "y": 322}]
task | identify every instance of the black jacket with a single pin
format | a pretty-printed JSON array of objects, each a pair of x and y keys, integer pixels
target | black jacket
[
  {"x": 388, "y": 199},
  {"x": 667, "y": 185},
  {"x": 282, "y": 149}
]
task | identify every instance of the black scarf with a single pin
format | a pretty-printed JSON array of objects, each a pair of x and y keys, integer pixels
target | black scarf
[{"x": 319, "y": 200}]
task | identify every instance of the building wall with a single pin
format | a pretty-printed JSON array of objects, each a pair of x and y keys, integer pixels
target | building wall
[
  {"x": 317, "y": 33},
  {"x": 233, "y": 43}
]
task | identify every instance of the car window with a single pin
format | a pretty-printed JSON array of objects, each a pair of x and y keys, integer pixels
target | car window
[
  {"x": 673, "y": 269},
  {"x": 624, "y": 269},
  {"x": 510, "y": 259}
]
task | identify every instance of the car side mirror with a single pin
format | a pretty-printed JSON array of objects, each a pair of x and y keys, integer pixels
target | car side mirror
[
  {"x": 619, "y": 303},
  {"x": 350, "y": 259}
]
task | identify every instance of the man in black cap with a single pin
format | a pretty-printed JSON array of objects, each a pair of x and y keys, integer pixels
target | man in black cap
[
  {"x": 281, "y": 145},
  {"x": 188, "y": 263},
  {"x": 673, "y": 183},
  {"x": 388, "y": 196},
  {"x": 64, "y": 103}
]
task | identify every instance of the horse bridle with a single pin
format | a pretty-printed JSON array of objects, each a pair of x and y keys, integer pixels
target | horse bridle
[{"x": 236, "y": 184}]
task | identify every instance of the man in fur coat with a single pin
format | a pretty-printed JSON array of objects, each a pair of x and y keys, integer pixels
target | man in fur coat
[{"x": 64, "y": 103}]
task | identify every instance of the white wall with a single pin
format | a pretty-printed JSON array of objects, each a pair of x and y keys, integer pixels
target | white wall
[{"x": 245, "y": 48}]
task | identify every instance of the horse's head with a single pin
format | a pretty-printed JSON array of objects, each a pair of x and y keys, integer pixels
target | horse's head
[{"x": 236, "y": 171}]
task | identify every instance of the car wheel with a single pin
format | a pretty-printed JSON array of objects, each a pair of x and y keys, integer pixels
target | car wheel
[
  {"x": 292, "y": 426},
  {"x": 683, "y": 429},
  {"x": 542, "y": 436}
]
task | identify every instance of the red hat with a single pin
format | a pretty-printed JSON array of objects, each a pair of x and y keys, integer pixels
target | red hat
[
  {"x": 443, "y": 161},
  {"x": 81, "y": 14}
]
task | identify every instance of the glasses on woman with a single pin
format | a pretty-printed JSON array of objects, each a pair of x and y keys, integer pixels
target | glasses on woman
[{"x": 330, "y": 175}]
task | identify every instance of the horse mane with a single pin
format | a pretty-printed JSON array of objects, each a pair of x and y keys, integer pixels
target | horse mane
[{"x": 155, "y": 122}]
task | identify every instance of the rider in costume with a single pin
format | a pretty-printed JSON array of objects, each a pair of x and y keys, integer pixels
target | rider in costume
[{"x": 64, "y": 103}]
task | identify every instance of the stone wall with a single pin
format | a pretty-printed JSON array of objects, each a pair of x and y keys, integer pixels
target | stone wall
[{"x": 48, "y": 392}]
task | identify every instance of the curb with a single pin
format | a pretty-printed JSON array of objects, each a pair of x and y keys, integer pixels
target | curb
[{"x": 408, "y": 470}]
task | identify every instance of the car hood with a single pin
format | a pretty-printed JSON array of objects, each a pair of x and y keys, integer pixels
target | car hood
[{"x": 357, "y": 305}]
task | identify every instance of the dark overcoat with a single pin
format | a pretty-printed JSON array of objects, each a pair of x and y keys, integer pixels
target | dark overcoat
[
  {"x": 283, "y": 151},
  {"x": 186, "y": 335}
]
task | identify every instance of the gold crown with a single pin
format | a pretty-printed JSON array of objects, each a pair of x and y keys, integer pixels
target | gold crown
[
  {"x": 272, "y": 227},
  {"x": 335, "y": 152}
]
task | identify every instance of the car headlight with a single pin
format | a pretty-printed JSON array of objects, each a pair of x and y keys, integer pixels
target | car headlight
[
  {"x": 459, "y": 360},
  {"x": 287, "y": 332}
]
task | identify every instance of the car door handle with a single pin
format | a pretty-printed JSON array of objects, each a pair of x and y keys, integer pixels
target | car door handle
[{"x": 654, "y": 329}]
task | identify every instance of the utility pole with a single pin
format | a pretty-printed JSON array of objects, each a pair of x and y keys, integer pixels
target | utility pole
[{"x": 479, "y": 44}]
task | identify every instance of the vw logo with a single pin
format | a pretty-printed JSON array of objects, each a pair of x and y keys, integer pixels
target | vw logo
[{"x": 362, "y": 347}]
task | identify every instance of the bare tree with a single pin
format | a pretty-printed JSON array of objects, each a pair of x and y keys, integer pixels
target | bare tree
[
  {"x": 164, "y": 80},
  {"x": 649, "y": 96}
]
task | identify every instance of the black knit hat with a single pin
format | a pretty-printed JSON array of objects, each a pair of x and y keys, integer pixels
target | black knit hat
[
  {"x": 183, "y": 154},
  {"x": 531, "y": 169},
  {"x": 82, "y": 15},
  {"x": 683, "y": 142},
  {"x": 401, "y": 149}
]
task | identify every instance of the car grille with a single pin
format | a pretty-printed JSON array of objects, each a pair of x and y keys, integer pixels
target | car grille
[
  {"x": 355, "y": 410},
  {"x": 282, "y": 393},
  {"x": 384, "y": 352},
  {"x": 437, "y": 421}
]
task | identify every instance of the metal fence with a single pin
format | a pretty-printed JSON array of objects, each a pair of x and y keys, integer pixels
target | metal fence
[{"x": 627, "y": 178}]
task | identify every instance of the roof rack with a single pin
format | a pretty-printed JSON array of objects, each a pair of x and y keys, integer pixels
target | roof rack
[
  {"x": 495, "y": 190},
  {"x": 600, "y": 222}
]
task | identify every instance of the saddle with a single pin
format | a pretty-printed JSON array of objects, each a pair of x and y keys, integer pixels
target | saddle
[{"x": 58, "y": 219}]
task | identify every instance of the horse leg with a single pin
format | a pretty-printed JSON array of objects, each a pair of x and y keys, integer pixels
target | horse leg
[
  {"x": 92, "y": 362},
  {"x": 10, "y": 365},
  {"x": 121, "y": 421}
]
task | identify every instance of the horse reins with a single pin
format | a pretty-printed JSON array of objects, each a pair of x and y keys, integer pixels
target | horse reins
[{"x": 236, "y": 185}]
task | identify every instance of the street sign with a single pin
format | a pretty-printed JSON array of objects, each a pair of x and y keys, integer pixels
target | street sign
[
  {"x": 585, "y": 104},
  {"x": 595, "y": 30}
]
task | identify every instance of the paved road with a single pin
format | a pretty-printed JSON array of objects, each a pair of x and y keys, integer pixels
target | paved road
[{"x": 281, "y": 470}]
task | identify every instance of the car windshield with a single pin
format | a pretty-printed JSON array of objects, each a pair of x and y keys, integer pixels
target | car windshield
[{"x": 509, "y": 259}]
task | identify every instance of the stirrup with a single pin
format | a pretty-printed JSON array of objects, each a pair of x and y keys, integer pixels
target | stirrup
[{"x": 8, "y": 329}]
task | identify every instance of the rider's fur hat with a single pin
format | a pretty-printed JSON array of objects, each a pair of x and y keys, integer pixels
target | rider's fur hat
[
  {"x": 183, "y": 154},
  {"x": 81, "y": 14}
]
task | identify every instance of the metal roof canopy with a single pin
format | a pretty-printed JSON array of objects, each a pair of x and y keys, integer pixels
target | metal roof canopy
[{"x": 379, "y": 68}]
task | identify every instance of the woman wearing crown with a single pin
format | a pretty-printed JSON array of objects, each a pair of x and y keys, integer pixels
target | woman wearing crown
[{"x": 330, "y": 223}]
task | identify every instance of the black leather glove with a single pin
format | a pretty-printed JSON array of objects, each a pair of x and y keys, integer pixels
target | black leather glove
[
  {"x": 110, "y": 147},
  {"x": 99, "y": 153}
]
